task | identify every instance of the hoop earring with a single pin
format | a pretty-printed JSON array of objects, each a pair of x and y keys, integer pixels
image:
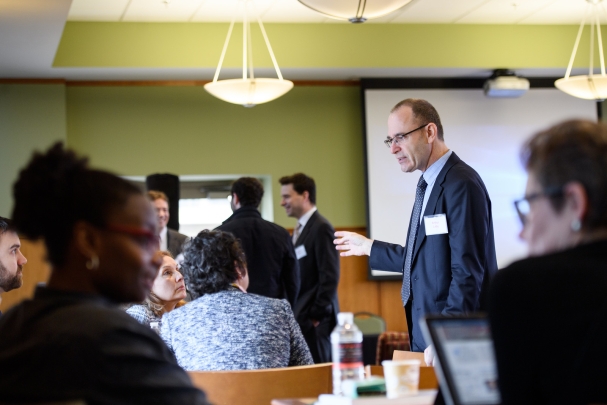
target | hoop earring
[
  {"x": 92, "y": 263},
  {"x": 576, "y": 225}
]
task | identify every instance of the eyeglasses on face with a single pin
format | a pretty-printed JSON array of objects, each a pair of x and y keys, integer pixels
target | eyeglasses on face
[
  {"x": 523, "y": 206},
  {"x": 143, "y": 236},
  {"x": 398, "y": 138}
]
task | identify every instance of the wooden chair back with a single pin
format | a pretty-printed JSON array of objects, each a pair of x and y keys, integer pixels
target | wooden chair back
[
  {"x": 405, "y": 355},
  {"x": 260, "y": 387}
]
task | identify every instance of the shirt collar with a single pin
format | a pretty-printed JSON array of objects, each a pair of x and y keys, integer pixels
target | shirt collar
[
  {"x": 163, "y": 233},
  {"x": 306, "y": 217},
  {"x": 432, "y": 172}
]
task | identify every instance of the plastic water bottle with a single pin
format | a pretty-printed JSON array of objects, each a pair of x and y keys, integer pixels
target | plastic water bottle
[{"x": 346, "y": 350}]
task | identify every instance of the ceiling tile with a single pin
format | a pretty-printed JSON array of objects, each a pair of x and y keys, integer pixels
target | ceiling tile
[
  {"x": 433, "y": 11},
  {"x": 562, "y": 12},
  {"x": 505, "y": 11},
  {"x": 94, "y": 10},
  {"x": 161, "y": 10}
]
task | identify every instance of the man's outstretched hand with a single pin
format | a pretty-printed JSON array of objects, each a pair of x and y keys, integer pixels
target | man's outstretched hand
[{"x": 352, "y": 244}]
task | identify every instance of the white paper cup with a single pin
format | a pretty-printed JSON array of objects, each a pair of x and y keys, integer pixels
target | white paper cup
[{"x": 402, "y": 377}]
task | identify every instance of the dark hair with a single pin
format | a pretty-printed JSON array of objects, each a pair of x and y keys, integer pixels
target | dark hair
[
  {"x": 574, "y": 150},
  {"x": 57, "y": 189},
  {"x": 249, "y": 191},
  {"x": 210, "y": 261},
  {"x": 301, "y": 183},
  {"x": 5, "y": 225},
  {"x": 154, "y": 195},
  {"x": 423, "y": 112}
]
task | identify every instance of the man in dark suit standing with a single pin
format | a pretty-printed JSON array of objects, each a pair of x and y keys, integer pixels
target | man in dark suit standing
[
  {"x": 169, "y": 239},
  {"x": 317, "y": 307},
  {"x": 449, "y": 256},
  {"x": 271, "y": 263}
]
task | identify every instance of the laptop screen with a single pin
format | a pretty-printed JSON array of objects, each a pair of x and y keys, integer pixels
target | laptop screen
[{"x": 467, "y": 368}]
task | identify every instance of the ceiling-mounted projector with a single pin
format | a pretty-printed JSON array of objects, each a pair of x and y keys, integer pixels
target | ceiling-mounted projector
[{"x": 505, "y": 83}]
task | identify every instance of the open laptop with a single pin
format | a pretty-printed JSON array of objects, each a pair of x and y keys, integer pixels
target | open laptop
[{"x": 466, "y": 368}]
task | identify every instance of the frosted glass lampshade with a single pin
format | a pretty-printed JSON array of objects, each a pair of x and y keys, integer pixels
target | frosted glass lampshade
[
  {"x": 248, "y": 92},
  {"x": 588, "y": 87},
  {"x": 356, "y": 11}
]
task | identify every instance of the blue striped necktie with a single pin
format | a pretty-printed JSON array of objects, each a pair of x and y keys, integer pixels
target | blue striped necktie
[{"x": 405, "y": 293}]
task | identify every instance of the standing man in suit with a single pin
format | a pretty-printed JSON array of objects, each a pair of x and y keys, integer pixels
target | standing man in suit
[
  {"x": 169, "y": 239},
  {"x": 11, "y": 258},
  {"x": 317, "y": 307},
  {"x": 271, "y": 263},
  {"x": 450, "y": 256}
]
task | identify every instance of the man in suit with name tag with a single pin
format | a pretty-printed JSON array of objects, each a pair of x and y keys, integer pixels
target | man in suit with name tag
[
  {"x": 317, "y": 307},
  {"x": 449, "y": 256}
]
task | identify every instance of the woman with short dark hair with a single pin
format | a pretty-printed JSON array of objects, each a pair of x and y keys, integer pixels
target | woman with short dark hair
[
  {"x": 548, "y": 311},
  {"x": 71, "y": 342},
  {"x": 225, "y": 328}
]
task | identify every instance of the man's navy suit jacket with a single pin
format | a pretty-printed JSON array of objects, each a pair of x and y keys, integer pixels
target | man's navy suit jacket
[{"x": 449, "y": 272}]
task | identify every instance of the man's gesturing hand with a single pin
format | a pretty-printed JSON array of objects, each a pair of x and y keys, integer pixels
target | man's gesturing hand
[{"x": 352, "y": 244}]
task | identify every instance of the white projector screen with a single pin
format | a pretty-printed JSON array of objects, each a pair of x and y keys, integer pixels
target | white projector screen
[{"x": 486, "y": 133}]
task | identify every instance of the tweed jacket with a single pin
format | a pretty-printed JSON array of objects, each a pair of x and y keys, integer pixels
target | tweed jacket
[{"x": 232, "y": 330}]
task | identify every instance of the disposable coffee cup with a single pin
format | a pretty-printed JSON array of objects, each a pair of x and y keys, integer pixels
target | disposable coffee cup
[{"x": 402, "y": 377}]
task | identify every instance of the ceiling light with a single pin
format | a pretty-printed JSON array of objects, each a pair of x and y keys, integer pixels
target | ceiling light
[
  {"x": 355, "y": 11},
  {"x": 248, "y": 91},
  {"x": 590, "y": 86}
]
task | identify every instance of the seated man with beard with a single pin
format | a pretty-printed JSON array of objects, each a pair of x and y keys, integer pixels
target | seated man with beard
[{"x": 11, "y": 258}]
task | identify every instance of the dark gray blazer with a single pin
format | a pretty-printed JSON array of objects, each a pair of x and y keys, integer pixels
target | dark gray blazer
[
  {"x": 271, "y": 263},
  {"x": 449, "y": 271},
  {"x": 319, "y": 273},
  {"x": 175, "y": 241}
]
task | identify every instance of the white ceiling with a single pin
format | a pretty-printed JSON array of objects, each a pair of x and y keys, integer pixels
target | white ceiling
[
  {"x": 30, "y": 31},
  {"x": 418, "y": 11}
]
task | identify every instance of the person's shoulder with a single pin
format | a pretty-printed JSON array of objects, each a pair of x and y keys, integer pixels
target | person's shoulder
[
  {"x": 140, "y": 312},
  {"x": 176, "y": 234},
  {"x": 321, "y": 222}
]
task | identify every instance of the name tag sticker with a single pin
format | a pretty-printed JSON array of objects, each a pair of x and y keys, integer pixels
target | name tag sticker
[
  {"x": 436, "y": 224},
  {"x": 300, "y": 252}
]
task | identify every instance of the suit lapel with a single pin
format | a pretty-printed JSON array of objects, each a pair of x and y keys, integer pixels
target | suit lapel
[
  {"x": 306, "y": 229},
  {"x": 437, "y": 190}
]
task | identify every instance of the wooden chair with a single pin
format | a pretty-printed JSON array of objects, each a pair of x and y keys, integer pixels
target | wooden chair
[{"x": 259, "y": 387}]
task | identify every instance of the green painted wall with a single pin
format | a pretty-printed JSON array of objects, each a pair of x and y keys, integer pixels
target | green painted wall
[
  {"x": 105, "y": 44},
  {"x": 184, "y": 130},
  {"x": 31, "y": 117}
]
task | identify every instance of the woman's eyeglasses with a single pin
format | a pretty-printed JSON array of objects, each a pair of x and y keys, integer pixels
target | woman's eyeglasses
[{"x": 523, "y": 206}]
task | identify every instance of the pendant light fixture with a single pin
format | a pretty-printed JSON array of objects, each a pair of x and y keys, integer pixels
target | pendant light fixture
[
  {"x": 248, "y": 91},
  {"x": 355, "y": 11},
  {"x": 590, "y": 86}
]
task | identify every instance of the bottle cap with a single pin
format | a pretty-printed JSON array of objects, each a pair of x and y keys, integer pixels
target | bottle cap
[{"x": 345, "y": 318}]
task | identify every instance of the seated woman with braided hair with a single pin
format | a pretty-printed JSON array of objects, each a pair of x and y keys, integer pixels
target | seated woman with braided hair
[
  {"x": 168, "y": 292},
  {"x": 225, "y": 328},
  {"x": 71, "y": 342}
]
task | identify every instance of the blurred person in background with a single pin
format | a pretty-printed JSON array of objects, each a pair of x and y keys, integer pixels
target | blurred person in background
[
  {"x": 71, "y": 342},
  {"x": 271, "y": 263},
  {"x": 548, "y": 312},
  {"x": 11, "y": 258},
  {"x": 225, "y": 328},
  {"x": 169, "y": 239}
]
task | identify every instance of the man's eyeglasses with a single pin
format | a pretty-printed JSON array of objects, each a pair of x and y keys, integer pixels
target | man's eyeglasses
[
  {"x": 398, "y": 138},
  {"x": 523, "y": 205},
  {"x": 143, "y": 236}
]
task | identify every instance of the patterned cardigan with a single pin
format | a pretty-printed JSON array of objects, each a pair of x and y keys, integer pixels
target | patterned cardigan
[
  {"x": 231, "y": 330},
  {"x": 145, "y": 316}
]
